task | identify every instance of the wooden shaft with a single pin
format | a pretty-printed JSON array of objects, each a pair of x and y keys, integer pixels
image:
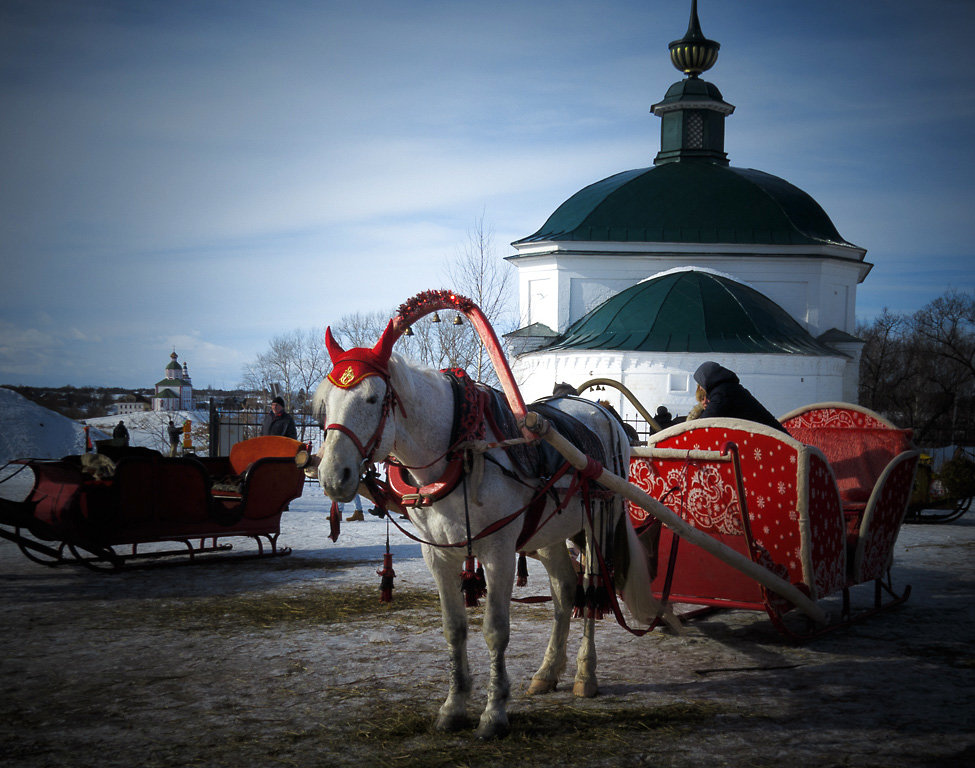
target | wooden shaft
[
  {"x": 679, "y": 454},
  {"x": 617, "y": 484}
]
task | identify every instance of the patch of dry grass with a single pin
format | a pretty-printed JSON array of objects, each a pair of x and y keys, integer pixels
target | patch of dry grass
[
  {"x": 550, "y": 734},
  {"x": 311, "y": 608}
]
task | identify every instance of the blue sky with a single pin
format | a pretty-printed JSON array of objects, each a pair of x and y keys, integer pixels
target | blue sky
[{"x": 208, "y": 175}]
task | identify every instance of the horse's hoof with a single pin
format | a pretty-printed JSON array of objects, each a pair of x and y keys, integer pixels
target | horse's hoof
[
  {"x": 492, "y": 729},
  {"x": 585, "y": 689},
  {"x": 451, "y": 723},
  {"x": 539, "y": 686}
]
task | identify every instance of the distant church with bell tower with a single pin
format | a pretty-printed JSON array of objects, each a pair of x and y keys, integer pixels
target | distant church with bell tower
[{"x": 175, "y": 391}]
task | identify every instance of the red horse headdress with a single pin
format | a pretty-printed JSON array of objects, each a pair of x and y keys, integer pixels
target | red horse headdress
[{"x": 358, "y": 363}]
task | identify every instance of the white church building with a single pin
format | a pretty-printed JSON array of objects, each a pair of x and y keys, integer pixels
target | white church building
[
  {"x": 175, "y": 391},
  {"x": 642, "y": 276}
]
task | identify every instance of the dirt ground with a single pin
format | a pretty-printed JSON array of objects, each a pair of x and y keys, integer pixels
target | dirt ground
[{"x": 291, "y": 661}]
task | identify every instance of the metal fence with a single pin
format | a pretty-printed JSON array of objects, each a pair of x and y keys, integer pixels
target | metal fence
[{"x": 229, "y": 426}]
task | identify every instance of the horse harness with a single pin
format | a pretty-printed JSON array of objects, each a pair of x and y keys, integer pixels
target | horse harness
[{"x": 475, "y": 408}]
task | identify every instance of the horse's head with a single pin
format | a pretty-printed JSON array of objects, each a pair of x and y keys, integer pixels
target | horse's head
[{"x": 355, "y": 404}]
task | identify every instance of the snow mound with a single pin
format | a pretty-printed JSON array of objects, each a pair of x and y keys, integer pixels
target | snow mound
[{"x": 32, "y": 431}]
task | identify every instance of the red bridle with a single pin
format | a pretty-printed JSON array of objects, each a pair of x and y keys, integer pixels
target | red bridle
[{"x": 366, "y": 451}]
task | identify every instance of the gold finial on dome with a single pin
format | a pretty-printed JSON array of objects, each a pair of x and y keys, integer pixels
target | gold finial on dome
[{"x": 694, "y": 53}]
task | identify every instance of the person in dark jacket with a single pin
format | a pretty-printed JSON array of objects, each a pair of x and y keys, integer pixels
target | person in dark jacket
[
  {"x": 278, "y": 421},
  {"x": 120, "y": 432},
  {"x": 663, "y": 417},
  {"x": 725, "y": 396},
  {"x": 174, "y": 433}
]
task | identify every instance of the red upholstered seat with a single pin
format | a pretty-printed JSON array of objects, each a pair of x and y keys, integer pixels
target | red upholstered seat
[
  {"x": 858, "y": 455},
  {"x": 874, "y": 464}
]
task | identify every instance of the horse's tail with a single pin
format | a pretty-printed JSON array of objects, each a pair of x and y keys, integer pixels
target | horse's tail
[{"x": 636, "y": 590}]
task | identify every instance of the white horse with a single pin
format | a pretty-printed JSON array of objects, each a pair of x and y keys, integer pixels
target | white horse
[{"x": 381, "y": 407}]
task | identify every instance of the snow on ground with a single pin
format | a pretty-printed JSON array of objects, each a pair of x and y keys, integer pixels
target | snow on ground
[
  {"x": 102, "y": 681},
  {"x": 148, "y": 429},
  {"x": 32, "y": 431}
]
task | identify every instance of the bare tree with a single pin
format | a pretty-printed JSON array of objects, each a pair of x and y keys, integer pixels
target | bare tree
[
  {"x": 298, "y": 361},
  {"x": 278, "y": 365},
  {"x": 882, "y": 372},
  {"x": 479, "y": 273},
  {"x": 948, "y": 323},
  {"x": 311, "y": 365},
  {"x": 946, "y": 329},
  {"x": 360, "y": 329},
  {"x": 447, "y": 340},
  {"x": 920, "y": 369}
]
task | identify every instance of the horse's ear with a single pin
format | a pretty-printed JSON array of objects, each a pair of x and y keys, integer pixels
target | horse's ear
[
  {"x": 384, "y": 347},
  {"x": 334, "y": 350}
]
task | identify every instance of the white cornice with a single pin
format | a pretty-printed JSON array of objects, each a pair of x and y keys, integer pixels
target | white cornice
[{"x": 597, "y": 248}]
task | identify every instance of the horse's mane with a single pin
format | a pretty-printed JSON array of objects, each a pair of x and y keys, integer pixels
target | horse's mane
[{"x": 403, "y": 373}]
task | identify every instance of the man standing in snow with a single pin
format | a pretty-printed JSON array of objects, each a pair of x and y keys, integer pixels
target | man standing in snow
[
  {"x": 278, "y": 421},
  {"x": 121, "y": 433},
  {"x": 174, "y": 434}
]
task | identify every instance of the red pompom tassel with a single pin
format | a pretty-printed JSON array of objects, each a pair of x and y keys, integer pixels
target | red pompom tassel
[
  {"x": 471, "y": 583},
  {"x": 387, "y": 573},
  {"x": 522, "y": 570},
  {"x": 334, "y": 518},
  {"x": 600, "y": 602}
]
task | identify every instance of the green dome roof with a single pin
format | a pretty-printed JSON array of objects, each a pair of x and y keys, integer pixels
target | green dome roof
[
  {"x": 691, "y": 202},
  {"x": 690, "y": 310}
]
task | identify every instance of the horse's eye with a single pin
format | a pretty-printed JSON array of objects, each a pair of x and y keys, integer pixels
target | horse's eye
[{"x": 372, "y": 399}]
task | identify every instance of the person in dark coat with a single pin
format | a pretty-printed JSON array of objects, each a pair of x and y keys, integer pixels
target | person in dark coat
[
  {"x": 174, "y": 433},
  {"x": 278, "y": 421},
  {"x": 663, "y": 417},
  {"x": 120, "y": 432},
  {"x": 725, "y": 396}
]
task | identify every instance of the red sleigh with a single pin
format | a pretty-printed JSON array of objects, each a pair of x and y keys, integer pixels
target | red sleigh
[
  {"x": 194, "y": 503},
  {"x": 821, "y": 508}
]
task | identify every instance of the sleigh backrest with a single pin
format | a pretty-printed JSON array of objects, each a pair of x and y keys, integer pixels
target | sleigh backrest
[
  {"x": 858, "y": 443},
  {"x": 246, "y": 452}
]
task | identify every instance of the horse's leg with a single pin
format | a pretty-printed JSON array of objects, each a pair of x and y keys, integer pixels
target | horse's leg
[
  {"x": 499, "y": 574},
  {"x": 562, "y": 581},
  {"x": 585, "y": 684},
  {"x": 453, "y": 712}
]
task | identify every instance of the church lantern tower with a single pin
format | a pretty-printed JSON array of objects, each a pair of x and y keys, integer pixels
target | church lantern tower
[{"x": 690, "y": 210}]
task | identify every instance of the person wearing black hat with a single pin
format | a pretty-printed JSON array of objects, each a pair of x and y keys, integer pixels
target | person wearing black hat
[
  {"x": 725, "y": 396},
  {"x": 278, "y": 421},
  {"x": 663, "y": 417}
]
